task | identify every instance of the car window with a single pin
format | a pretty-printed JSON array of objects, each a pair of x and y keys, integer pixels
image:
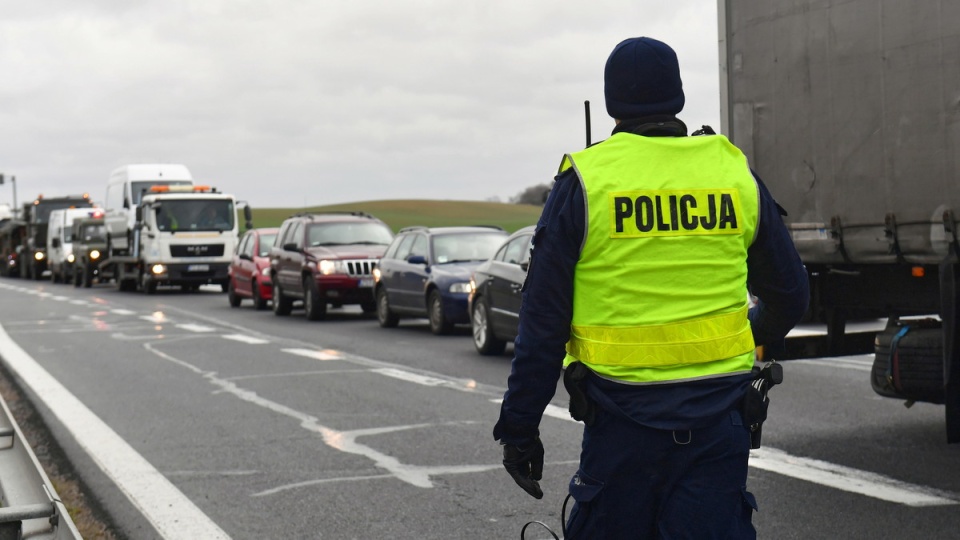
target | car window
[
  {"x": 404, "y": 248},
  {"x": 266, "y": 242},
  {"x": 242, "y": 249},
  {"x": 515, "y": 252},
  {"x": 392, "y": 250},
  {"x": 419, "y": 246},
  {"x": 295, "y": 236},
  {"x": 284, "y": 233},
  {"x": 466, "y": 246}
]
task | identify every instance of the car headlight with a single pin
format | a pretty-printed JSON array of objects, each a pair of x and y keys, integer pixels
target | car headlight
[
  {"x": 462, "y": 287},
  {"x": 327, "y": 267},
  {"x": 94, "y": 254},
  {"x": 70, "y": 258},
  {"x": 265, "y": 271}
]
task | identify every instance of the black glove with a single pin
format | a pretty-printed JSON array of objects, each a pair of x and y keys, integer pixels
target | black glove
[{"x": 525, "y": 465}]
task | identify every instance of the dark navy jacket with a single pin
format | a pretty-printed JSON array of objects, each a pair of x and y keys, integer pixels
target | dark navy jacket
[{"x": 775, "y": 275}]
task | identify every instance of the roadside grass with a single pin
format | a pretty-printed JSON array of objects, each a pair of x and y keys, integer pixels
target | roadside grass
[{"x": 429, "y": 213}]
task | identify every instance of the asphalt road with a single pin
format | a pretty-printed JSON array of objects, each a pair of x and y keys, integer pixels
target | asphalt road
[{"x": 190, "y": 419}]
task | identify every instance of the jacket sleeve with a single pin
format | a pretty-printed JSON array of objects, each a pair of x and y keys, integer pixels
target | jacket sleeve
[
  {"x": 545, "y": 313},
  {"x": 775, "y": 275}
]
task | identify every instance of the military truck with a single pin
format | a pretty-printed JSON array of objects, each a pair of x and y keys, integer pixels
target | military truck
[
  {"x": 36, "y": 214},
  {"x": 848, "y": 112},
  {"x": 89, "y": 248}
]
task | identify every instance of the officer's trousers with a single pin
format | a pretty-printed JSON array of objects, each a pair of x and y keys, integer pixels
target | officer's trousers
[{"x": 636, "y": 482}]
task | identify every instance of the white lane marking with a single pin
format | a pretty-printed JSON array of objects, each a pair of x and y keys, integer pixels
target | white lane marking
[
  {"x": 60, "y": 298},
  {"x": 245, "y": 339},
  {"x": 195, "y": 328},
  {"x": 410, "y": 377},
  {"x": 848, "y": 479},
  {"x": 155, "y": 318},
  {"x": 828, "y": 474},
  {"x": 317, "y": 355},
  {"x": 168, "y": 510},
  {"x": 122, "y": 312}
]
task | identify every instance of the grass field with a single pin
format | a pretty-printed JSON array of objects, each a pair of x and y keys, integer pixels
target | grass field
[{"x": 430, "y": 213}]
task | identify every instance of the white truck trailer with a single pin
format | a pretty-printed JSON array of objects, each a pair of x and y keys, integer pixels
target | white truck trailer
[{"x": 848, "y": 112}]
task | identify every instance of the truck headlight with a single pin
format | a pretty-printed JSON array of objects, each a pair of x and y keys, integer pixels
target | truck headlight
[
  {"x": 158, "y": 269},
  {"x": 38, "y": 255},
  {"x": 94, "y": 254},
  {"x": 70, "y": 258},
  {"x": 462, "y": 287}
]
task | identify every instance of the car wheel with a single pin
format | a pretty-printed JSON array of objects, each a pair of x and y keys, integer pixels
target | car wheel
[
  {"x": 314, "y": 305},
  {"x": 483, "y": 338},
  {"x": 281, "y": 304},
  {"x": 439, "y": 324},
  {"x": 232, "y": 295},
  {"x": 386, "y": 317},
  {"x": 259, "y": 303}
]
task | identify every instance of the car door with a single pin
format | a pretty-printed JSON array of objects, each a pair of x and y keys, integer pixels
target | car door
[
  {"x": 390, "y": 266},
  {"x": 413, "y": 276},
  {"x": 504, "y": 293},
  {"x": 288, "y": 257},
  {"x": 243, "y": 265}
]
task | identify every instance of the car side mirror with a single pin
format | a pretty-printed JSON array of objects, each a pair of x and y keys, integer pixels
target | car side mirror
[
  {"x": 245, "y": 257},
  {"x": 290, "y": 246},
  {"x": 417, "y": 259}
]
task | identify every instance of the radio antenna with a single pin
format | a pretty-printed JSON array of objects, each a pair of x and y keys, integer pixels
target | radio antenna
[{"x": 586, "y": 114}]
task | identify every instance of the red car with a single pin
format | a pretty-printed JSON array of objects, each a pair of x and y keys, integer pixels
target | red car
[{"x": 250, "y": 269}]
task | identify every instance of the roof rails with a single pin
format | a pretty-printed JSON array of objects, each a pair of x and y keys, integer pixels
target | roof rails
[
  {"x": 327, "y": 213},
  {"x": 414, "y": 228}
]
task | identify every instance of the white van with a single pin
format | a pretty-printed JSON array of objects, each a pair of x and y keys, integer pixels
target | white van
[
  {"x": 125, "y": 187},
  {"x": 60, "y": 241}
]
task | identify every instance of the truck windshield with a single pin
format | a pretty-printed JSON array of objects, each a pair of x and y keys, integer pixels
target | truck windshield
[
  {"x": 42, "y": 209},
  {"x": 195, "y": 215},
  {"x": 92, "y": 233}
]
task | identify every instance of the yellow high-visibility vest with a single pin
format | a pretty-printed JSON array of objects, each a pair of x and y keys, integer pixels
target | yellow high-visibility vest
[{"x": 660, "y": 289}]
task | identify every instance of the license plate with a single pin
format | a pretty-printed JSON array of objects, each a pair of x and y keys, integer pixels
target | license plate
[
  {"x": 198, "y": 268},
  {"x": 365, "y": 282}
]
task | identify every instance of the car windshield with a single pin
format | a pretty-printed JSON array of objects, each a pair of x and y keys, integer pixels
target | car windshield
[
  {"x": 195, "y": 215},
  {"x": 465, "y": 247},
  {"x": 348, "y": 233},
  {"x": 266, "y": 241},
  {"x": 93, "y": 233}
]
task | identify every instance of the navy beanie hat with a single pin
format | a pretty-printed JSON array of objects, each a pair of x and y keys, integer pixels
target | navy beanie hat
[{"x": 642, "y": 78}]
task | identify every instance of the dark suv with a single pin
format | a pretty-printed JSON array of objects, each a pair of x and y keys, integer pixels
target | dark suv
[
  {"x": 326, "y": 258},
  {"x": 426, "y": 272}
]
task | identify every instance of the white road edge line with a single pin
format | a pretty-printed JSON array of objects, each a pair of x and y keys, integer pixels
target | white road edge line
[
  {"x": 828, "y": 474},
  {"x": 167, "y": 508}
]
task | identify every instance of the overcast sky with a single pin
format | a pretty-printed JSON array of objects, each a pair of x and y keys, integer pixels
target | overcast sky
[{"x": 293, "y": 103}]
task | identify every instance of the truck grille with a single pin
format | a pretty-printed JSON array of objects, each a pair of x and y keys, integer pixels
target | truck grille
[
  {"x": 197, "y": 250},
  {"x": 360, "y": 268}
]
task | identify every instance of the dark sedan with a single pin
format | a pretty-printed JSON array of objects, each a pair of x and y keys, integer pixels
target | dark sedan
[
  {"x": 495, "y": 294},
  {"x": 426, "y": 273}
]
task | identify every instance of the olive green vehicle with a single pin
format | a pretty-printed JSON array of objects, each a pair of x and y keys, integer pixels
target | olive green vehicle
[{"x": 89, "y": 247}]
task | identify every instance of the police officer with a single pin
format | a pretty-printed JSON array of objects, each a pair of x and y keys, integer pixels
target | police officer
[{"x": 642, "y": 261}]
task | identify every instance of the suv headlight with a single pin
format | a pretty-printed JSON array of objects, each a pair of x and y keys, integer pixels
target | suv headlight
[
  {"x": 328, "y": 267},
  {"x": 462, "y": 287}
]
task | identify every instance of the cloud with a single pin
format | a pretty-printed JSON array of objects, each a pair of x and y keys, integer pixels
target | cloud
[{"x": 289, "y": 103}]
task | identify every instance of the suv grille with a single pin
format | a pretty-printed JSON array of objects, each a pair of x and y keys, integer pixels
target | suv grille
[
  {"x": 197, "y": 250},
  {"x": 360, "y": 268}
]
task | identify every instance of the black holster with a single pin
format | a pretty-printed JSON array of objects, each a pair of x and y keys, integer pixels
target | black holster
[
  {"x": 582, "y": 408},
  {"x": 755, "y": 402}
]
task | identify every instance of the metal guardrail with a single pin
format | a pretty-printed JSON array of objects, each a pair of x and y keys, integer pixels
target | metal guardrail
[{"x": 29, "y": 505}]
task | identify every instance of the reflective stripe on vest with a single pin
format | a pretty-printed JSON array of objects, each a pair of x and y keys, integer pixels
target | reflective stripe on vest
[{"x": 660, "y": 287}]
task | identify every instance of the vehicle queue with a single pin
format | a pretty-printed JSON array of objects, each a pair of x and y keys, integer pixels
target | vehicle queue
[{"x": 315, "y": 260}]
